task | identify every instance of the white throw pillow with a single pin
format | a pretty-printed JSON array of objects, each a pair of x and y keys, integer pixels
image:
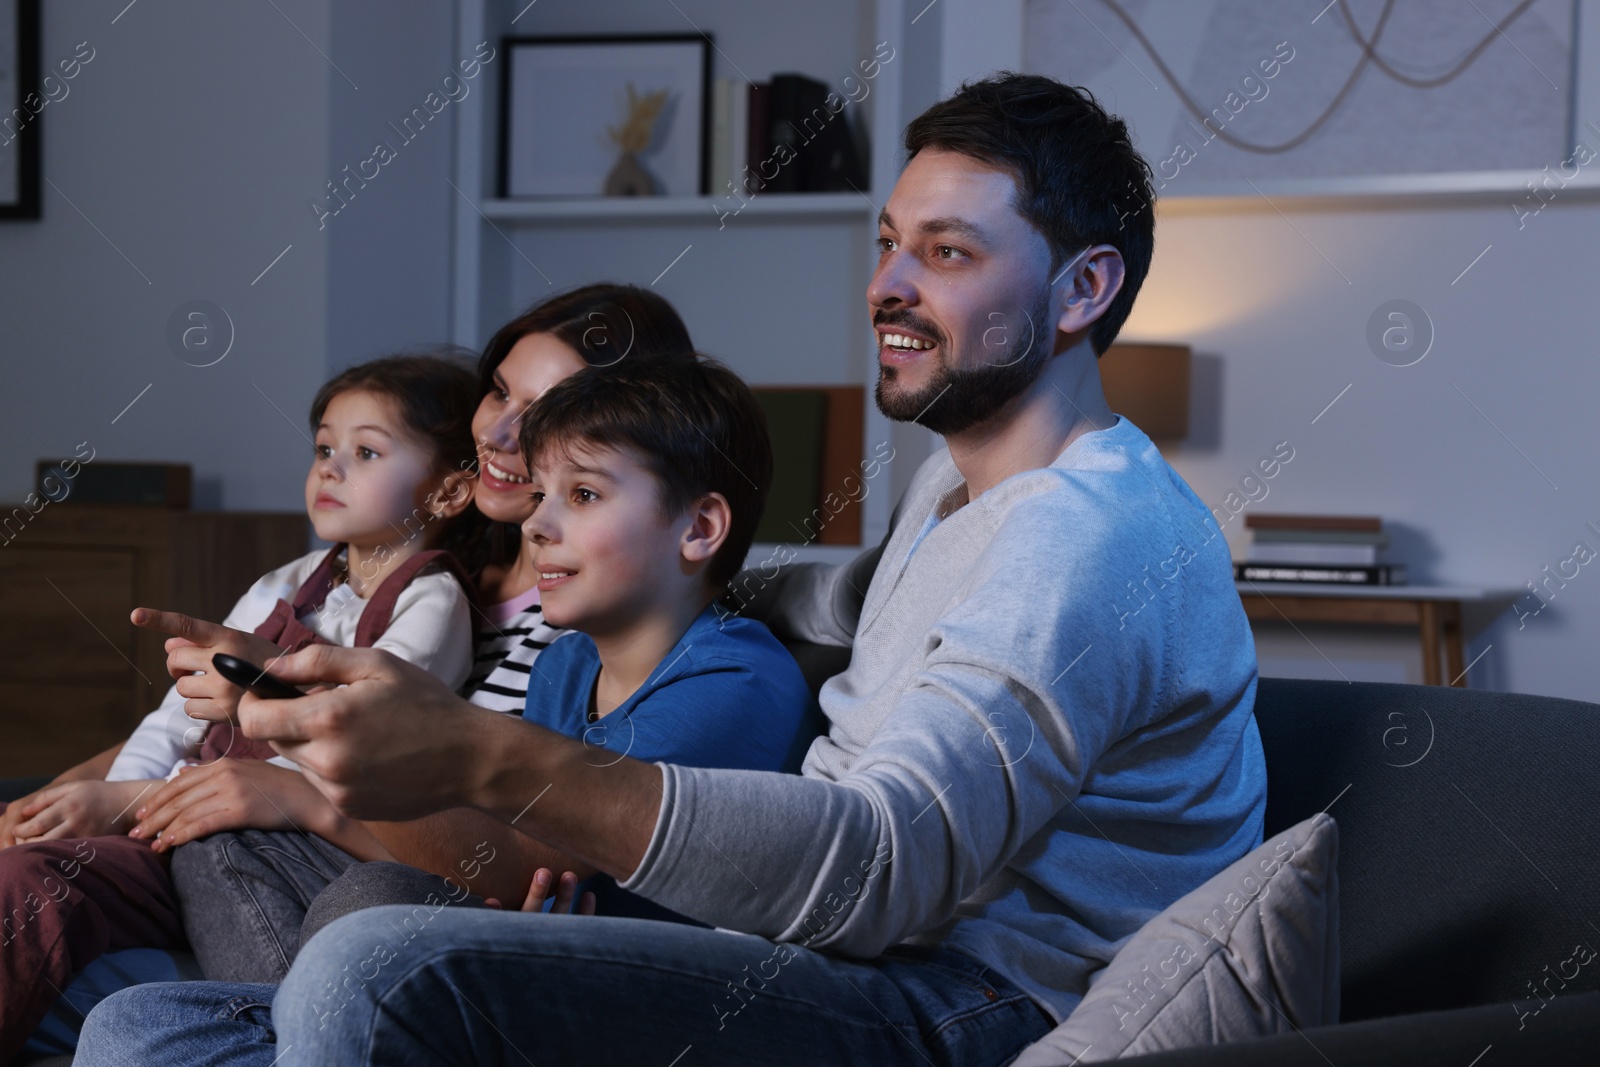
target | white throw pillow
[{"x": 1254, "y": 951}]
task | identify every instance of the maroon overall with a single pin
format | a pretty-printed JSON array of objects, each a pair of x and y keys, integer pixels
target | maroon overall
[{"x": 64, "y": 903}]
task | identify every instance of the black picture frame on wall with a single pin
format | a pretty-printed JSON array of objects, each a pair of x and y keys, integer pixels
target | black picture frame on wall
[
  {"x": 552, "y": 151},
  {"x": 19, "y": 122}
]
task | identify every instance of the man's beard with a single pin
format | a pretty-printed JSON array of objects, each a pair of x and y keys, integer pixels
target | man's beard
[{"x": 957, "y": 399}]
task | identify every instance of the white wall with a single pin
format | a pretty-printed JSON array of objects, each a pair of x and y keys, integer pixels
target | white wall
[
  {"x": 188, "y": 141},
  {"x": 1279, "y": 333},
  {"x": 389, "y": 263},
  {"x": 193, "y": 141}
]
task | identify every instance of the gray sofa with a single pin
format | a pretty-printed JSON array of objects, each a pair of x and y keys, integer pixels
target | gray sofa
[
  {"x": 1469, "y": 869},
  {"x": 1469, "y": 824}
]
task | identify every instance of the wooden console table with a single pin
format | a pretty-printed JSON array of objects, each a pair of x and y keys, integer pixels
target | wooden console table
[
  {"x": 1435, "y": 610},
  {"x": 75, "y": 676}
]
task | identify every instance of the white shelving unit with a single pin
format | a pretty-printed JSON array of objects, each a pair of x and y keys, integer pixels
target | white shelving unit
[
  {"x": 602, "y": 210},
  {"x": 775, "y": 288}
]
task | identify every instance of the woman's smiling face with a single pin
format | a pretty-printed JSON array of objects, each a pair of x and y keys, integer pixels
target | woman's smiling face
[{"x": 534, "y": 364}]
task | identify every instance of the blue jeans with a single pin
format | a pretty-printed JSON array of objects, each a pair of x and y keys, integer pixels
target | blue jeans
[{"x": 411, "y": 985}]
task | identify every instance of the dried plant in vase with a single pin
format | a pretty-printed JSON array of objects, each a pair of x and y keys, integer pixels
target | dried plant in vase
[{"x": 629, "y": 177}]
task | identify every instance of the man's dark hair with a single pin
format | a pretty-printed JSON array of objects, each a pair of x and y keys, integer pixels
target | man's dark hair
[
  {"x": 1079, "y": 180},
  {"x": 696, "y": 426}
]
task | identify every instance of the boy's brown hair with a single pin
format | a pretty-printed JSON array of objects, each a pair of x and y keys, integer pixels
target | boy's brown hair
[{"x": 694, "y": 425}]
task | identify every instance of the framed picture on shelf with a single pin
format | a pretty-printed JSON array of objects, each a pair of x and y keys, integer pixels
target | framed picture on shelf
[
  {"x": 20, "y": 105},
  {"x": 605, "y": 116}
]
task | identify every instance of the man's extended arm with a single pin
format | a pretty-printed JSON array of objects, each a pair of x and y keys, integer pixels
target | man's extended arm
[
  {"x": 947, "y": 792},
  {"x": 921, "y": 848},
  {"x": 485, "y": 853},
  {"x": 938, "y": 801}
]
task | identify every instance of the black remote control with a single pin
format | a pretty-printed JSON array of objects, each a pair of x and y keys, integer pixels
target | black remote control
[{"x": 247, "y": 675}]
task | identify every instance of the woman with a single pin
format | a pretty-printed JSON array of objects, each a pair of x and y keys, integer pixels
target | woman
[{"x": 266, "y": 879}]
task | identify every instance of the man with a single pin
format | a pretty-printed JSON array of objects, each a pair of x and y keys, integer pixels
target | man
[{"x": 1044, "y": 736}]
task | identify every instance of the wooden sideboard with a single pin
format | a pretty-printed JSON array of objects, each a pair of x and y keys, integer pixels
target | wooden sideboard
[{"x": 75, "y": 675}]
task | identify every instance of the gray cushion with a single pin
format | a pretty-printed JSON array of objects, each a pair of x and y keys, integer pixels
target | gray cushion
[{"x": 1254, "y": 951}]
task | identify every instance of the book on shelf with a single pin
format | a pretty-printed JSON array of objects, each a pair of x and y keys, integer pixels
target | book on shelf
[
  {"x": 1367, "y": 523},
  {"x": 758, "y": 129},
  {"x": 787, "y": 97},
  {"x": 1323, "y": 552},
  {"x": 721, "y": 136},
  {"x": 731, "y": 181},
  {"x": 1379, "y": 574},
  {"x": 1325, "y": 537},
  {"x": 781, "y": 136},
  {"x": 1313, "y": 541}
]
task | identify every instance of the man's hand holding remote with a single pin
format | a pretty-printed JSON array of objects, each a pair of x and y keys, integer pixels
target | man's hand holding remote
[{"x": 190, "y": 646}]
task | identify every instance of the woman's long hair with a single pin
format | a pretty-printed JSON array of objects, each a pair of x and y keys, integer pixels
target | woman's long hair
[{"x": 607, "y": 325}]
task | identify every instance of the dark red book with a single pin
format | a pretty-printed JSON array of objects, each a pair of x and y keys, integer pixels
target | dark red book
[
  {"x": 758, "y": 129},
  {"x": 1368, "y": 523}
]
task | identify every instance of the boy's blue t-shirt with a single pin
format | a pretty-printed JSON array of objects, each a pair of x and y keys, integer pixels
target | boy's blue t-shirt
[{"x": 727, "y": 695}]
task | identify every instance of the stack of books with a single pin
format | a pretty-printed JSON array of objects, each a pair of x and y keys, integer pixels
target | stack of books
[
  {"x": 791, "y": 134},
  {"x": 1319, "y": 549}
]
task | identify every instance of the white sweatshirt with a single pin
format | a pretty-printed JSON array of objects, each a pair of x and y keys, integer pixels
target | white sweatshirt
[{"x": 431, "y": 627}]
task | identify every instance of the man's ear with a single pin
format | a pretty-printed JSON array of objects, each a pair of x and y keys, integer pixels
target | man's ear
[
  {"x": 1086, "y": 286},
  {"x": 709, "y": 520},
  {"x": 451, "y": 496}
]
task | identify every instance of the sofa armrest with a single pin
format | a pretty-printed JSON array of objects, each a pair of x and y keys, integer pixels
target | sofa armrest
[{"x": 1565, "y": 1032}]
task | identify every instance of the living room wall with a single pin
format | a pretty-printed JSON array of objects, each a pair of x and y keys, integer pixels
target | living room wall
[
  {"x": 180, "y": 167},
  {"x": 189, "y": 150},
  {"x": 1479, "y": 458}
]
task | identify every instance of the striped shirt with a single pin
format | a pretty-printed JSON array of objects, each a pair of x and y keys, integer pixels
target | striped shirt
[{"x": 512, "y": 634}]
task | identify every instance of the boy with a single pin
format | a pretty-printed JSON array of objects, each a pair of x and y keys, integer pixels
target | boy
[{"x": 648, "y": 486}]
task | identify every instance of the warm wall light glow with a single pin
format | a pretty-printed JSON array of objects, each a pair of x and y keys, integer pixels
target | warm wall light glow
[
  {"x": 1212, "y": 271},
  {"x": 1186, "y": 311}
]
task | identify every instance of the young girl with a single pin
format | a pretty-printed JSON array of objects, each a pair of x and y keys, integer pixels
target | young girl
[{"x": 390, "y": 472}]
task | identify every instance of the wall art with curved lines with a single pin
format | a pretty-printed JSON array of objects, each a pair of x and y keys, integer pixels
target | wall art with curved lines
[{"x": 1239, "y": 97}]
